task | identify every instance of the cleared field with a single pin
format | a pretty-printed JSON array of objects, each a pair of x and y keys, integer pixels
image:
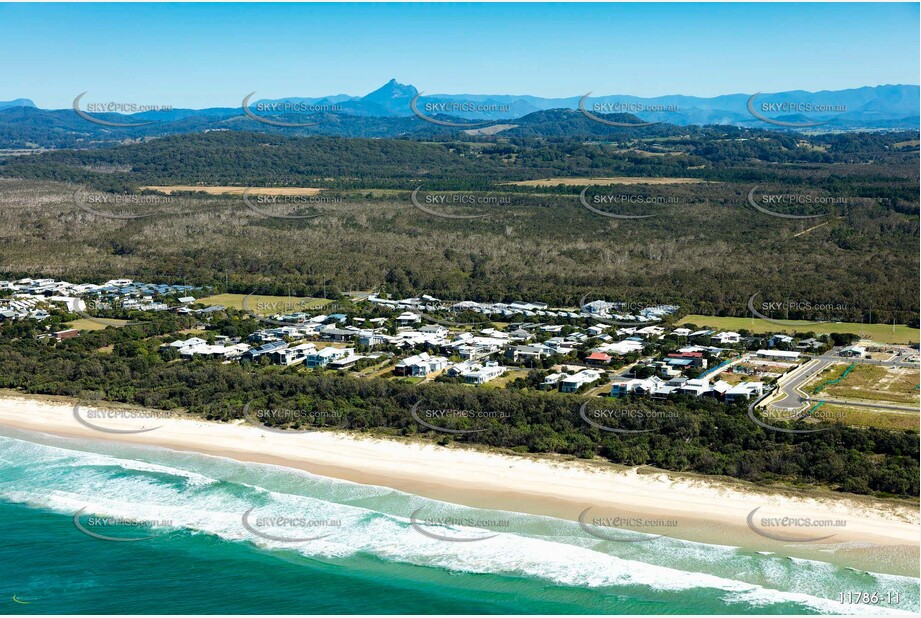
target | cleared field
[
  {"x": 170, "y": 189},
  {"x": 496, "y": 128},
  {"x": 883, "y": 333},
  {"x": 622, "y": 180},
  {"x": 266, "y": 305},
  {"x": 96, "y": 323},
  {"x": 866, "y": 417},
  {"x": 869, "y": 383}
]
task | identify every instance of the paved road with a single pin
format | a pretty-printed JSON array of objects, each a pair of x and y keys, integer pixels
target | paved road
[{"x": 790, "y": 398}]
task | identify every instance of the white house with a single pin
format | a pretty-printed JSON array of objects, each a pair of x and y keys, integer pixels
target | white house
[
  {"x": 408, "y": 317},
  {"x": 726, "y": 338},
  {"x": 481, "y": 374},
  {"x": 696, "y": 387},
  {"x": 295, "y": 355},
  {"x": 744, "y": 391},
  {"x": 780, "y": 355},
  {"x": 420, "y": 365},
  {"x": 573, "y": 383}
]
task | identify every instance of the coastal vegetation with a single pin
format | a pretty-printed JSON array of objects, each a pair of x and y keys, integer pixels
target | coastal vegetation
[{"x": 689, "y": 435}]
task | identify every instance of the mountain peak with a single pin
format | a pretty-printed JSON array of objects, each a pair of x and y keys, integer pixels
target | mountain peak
[
  {"x": 17, "y": 103},
  {"x": 391, "y": 90}
]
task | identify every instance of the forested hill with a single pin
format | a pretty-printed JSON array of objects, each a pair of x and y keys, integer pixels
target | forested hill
[{"x": 242, "y": 158}]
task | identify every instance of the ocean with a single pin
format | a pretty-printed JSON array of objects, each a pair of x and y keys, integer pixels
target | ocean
[{"x": 96, "y": 527}]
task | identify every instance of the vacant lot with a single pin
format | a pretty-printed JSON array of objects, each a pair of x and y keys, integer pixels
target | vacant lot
[
  {"x": 867, "y": 417},
  {"x": 170, "y": 189},
  {"x": 266, "y": 305},
  {"x": 96, "y": 323},
  {"x": 883, "y": 333},
  {"x": 622, "y": 180},
  {"x": 868, "y": 383}
]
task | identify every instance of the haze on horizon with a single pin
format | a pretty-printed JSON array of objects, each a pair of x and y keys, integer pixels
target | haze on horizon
[{"x": 211, "y": 55}]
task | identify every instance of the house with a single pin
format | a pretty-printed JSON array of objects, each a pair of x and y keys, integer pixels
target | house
[
  {"x": 552, "y": 380},
  {"x": 190, "y": 342},
  {"x": 528, "y": 352},
  {"x": 321, "y": 358},
  {"x": 346, "y": 362},
  {"x": 407, "y": 318},
  {"x": 521, "y": 334},
  {"x": 681, "y": 332},
  {"x": 671, "y": 368},
  {"x": 434, "y": 329},
  {"x": 696, "y": 358},
  {"x": 293, "y": 356},
  {"x": 808, "y": 345},
  {"x": 778, "y": 355},
  {"x": 331, "y": 333},
  {"x": 267, "y": 348},
  {"x": 70, "y": 333},
  {"x": 596, "y": 330},
  {"x": 720, "y": 388},
  {"x": 638, "y": 387},
  {"x": 572, "y": 384},
  {"x": 651, "y": 332},
  {"x": 559, "y": 346},
  {"x": 598, "y": 358},
  {"x": 460, "y": 368},
  {"x": 214, "y": 351},
  {"x": 776, "y": 340},
  {"x": 726, "y": 338},
  {"x": 185, "y": 300},
  {"x": 481, "y": 374},
  {"x": 370, "y": 339},
  {"x": 854, "y": 351},
  {"x": 696, "y": 387},
  {"x": 744, "y": 391},
  {"x": 621, "y": 348},
  {"x": 420, "y": 365}
]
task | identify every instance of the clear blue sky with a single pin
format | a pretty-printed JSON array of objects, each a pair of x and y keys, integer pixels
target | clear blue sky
[{"x": 213, "y": 54}]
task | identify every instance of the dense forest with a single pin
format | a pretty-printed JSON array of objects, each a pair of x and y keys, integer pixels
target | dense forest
[
  {"x": 860, "y": 165},
  {"x": 690, "y": 435}
]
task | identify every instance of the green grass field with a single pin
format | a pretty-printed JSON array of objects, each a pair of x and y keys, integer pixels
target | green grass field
[
  {"x": 96, "y": 323},
  {"x": 882, "y": 333},
  {"x": 266, "y": 305}
]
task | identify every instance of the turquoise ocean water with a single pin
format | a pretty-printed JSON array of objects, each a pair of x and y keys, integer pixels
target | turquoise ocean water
[{"x": 201, "y": 534}]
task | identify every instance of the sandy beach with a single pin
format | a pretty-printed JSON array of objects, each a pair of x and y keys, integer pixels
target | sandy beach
[{"x": 697, "y": 509}]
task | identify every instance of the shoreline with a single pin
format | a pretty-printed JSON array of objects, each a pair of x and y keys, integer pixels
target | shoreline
[{"x": 705, "y": 510}]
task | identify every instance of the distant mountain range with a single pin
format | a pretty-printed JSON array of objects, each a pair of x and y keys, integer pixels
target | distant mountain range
[
  {"x": 867, "y": 107},
  {"x": 389, "y": 112}
]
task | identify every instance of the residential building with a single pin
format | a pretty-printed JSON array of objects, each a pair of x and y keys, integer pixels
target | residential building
[
  {"x": 321, "y": 358},
  {"x": 744, "y": 391},
  {"x": 778, "y": 355},
  {"x": 481, "y": 374},
  {"x": 727, "y": 338},
  {"x": 572, "y": 384},
  {"x": 420, "y": 365}
]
